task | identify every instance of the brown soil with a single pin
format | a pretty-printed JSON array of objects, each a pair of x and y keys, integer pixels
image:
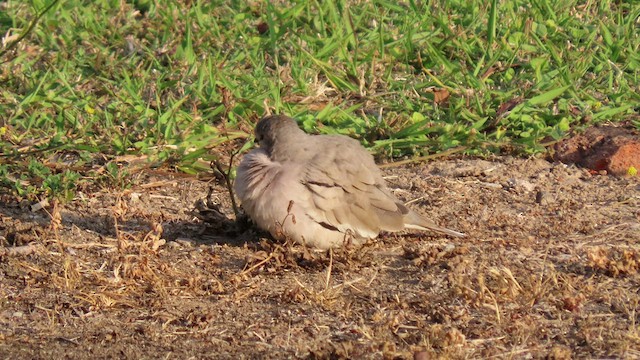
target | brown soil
[
  {"x": 550, "y": 268},
  {"x": 614, "y": 150}
]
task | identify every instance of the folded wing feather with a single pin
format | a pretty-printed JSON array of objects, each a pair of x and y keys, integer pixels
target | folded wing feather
[{"x": 351, "y": 196}]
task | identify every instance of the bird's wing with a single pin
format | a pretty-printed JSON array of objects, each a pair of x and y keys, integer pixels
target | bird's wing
[{"x": 348, "y": 192}]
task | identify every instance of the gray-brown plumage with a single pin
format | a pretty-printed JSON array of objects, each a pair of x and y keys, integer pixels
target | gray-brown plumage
[{"x": 319, "y": 190}]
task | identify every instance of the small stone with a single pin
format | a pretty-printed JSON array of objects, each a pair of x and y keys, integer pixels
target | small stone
[
  {"x": 174, "y": 245},
  {"x": 40, "y": 205},
  {"x": 186, "y": 242},
  {"x": 135, "y": 197},
  {"x": 543, "y": 198}
]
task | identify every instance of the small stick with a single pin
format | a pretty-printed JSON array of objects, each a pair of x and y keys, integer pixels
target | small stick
[
  {"x": 247, "y": 271},
  {"x": 19, "y": 250},
  {"x": 328, "y": 279},
  {"x": 227, "y": 179},
  {"x": 88, "y": 245}
]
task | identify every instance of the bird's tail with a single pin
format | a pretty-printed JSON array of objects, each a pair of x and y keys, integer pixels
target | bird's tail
[{"x": 416, "y": 222}]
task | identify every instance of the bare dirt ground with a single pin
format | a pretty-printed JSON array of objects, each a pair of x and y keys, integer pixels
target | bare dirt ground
[{"x": 550, "y": 269}]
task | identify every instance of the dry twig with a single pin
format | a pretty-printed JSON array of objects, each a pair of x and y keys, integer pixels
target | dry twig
[{"x": 19, "y": 250}]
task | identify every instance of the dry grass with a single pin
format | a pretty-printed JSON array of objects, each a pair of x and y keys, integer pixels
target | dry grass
[{"x": 138, "y": 276}]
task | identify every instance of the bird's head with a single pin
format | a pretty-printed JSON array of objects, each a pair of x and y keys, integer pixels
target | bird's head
[{"x": 274, "y": 130}]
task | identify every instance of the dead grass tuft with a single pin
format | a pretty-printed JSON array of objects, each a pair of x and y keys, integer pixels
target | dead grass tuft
[{"x": 614, "y": 261}]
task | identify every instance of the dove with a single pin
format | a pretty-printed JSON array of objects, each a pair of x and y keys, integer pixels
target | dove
[{"x": 322, "y": 191}]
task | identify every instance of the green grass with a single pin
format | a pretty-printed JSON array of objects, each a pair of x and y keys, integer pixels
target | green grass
[{"x": 183, "y": 82}]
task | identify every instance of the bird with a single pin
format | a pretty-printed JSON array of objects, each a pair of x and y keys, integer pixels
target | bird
[{"x": 322, "y": 191}]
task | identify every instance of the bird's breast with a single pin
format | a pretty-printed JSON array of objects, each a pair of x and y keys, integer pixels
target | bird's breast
[{"x": 268, "y": 190}]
